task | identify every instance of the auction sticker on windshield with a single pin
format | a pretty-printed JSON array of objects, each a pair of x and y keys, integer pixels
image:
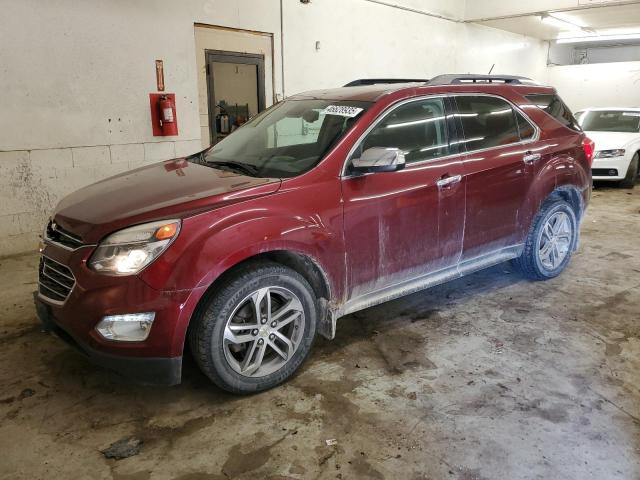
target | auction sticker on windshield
[{"x": 342, "y": 110}]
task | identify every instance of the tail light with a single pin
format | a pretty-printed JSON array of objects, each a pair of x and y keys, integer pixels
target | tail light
[{"x": 589, "y": 149}]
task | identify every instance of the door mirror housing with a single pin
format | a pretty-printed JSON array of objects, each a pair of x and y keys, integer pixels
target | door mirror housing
[{"x": 379, "y": 159}]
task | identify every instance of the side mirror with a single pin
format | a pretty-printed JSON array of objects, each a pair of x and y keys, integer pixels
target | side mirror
[{"x": 379, "y": 159}]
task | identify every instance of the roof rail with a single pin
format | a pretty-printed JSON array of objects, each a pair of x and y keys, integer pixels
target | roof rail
[
  {"x": 376, "y": 81},
  {"x": 470, "y": 78}
]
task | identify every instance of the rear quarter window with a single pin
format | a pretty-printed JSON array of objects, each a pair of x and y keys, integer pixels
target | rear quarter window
[{"x": 554, "y": 106}]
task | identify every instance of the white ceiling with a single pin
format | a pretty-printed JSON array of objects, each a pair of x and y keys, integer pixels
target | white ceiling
[{"x": 600, "y": 18}]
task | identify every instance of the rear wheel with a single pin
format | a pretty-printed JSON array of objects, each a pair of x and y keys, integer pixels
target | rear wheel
[
  {"x": 632, "y": 174},
  {"x": 550, "y": 242},
  {"x": 256, "y": 329}
]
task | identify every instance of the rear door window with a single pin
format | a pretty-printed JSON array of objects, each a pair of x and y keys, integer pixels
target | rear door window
[
  {"x": 554, "y": 106},
  {"x": 487, "y": 122}
]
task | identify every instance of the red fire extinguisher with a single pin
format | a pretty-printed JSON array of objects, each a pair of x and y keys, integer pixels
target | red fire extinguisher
[
  {"x": 167, "y": 116},
  {"x": 164, "y": 121}
]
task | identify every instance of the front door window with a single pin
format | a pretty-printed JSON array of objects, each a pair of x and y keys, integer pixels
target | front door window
[{"x": 418, "y": 128}]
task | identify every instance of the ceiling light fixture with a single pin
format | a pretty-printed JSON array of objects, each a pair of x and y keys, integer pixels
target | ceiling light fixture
[{"x": 599, "y": 38}]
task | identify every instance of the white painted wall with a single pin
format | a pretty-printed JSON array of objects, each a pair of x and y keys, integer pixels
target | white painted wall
[
  {"x": 73, "y": 66},
  {"x": 75, "y": 78},
  {"x": 480, "y": 47},
  {"x": 598, "y": 85},
  {"x": 360, "y": 39}
]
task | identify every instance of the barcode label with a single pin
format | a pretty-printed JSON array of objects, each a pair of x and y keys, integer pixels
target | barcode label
[{"x": 342, "y": 110}]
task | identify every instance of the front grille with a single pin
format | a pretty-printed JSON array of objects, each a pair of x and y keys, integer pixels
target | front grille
[
  {"x": 604, "y": 172},
  {"x": 56, "y": 234},
  {"x": 55, "y": 281}
]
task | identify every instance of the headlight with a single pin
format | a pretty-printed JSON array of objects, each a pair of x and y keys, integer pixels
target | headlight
[
  {"x": 130, "y": 250},
  {"x": 609, "y": 153}
]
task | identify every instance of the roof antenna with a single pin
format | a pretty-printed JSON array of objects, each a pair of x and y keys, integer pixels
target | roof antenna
[{"x": 491, "y": 69}]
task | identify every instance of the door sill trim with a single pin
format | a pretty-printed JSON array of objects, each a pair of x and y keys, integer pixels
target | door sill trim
[{"x": 407, "y": 287}]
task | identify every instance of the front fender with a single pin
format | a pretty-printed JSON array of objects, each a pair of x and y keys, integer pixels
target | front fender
[
  {"x": 299, "y": 235},
  {"x": 632, "y": 148},
  {"x": 209, "y": 244}
]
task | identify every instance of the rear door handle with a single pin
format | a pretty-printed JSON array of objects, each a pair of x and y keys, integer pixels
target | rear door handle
[
  {"x": 531, "y": 157},
  {"x": 446, "y": 181}
]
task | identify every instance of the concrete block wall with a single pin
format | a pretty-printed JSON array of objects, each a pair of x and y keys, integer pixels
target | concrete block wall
[{"x": 33, "y": 181}]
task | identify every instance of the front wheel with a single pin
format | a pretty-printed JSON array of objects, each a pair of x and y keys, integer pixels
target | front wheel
[
  {"x": 632, "y": 174},
  {"x": 550, "y": 242},
  {"x": 256, "y": 330}
]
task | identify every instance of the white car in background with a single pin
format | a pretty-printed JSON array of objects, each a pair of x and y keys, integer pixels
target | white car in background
[{"x": 616, "y": 133}]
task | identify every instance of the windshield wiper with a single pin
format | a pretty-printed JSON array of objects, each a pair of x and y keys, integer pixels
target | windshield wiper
[{"x": 238, "y": 166}]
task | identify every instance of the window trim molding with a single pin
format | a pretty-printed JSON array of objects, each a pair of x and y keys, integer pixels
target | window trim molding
[{"x": 526, "y": 119}]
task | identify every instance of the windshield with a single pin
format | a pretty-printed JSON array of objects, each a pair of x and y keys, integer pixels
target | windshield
[
  {"x": 286, "y": 140},
  {"x": 609, "y": 121}
]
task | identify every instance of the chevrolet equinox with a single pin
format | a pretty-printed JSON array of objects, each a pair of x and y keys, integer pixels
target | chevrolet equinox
[{"x": 324, "y": 204}]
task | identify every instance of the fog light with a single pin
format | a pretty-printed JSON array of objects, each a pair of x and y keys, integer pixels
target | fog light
[{"x": 131, "y": 327}]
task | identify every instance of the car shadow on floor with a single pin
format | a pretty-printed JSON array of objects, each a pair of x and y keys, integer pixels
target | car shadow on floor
[
  {"x": 607, "y": 186},
  {"x": 424, "y": 306}
]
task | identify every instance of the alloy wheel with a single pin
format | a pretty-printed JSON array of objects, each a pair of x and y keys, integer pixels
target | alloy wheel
[
  {"x": 264, "y": 331},
  {"x": 555, "y": 240}
]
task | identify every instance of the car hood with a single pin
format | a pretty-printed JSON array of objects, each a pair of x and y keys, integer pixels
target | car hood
[
  {"x": 172, "y": 189},
  {"x": 612, "y": 140}
]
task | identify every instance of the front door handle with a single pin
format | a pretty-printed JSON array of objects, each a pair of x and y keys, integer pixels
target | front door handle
[
  {"x": 531, "y": 157},
  {"x": 446, "y": 181}
]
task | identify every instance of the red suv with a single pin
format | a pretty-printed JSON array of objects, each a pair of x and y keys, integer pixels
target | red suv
[{"x": 326, "y": 203}]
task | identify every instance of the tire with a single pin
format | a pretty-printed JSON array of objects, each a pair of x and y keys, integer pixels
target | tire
[
  {"x": 226, "y": 330},
  {"x": 534, "y": 263},
  {"x": 632, "y": 174}
]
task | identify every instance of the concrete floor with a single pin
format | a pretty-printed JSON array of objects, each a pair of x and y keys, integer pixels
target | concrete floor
[{"x": 488, "y": 377}]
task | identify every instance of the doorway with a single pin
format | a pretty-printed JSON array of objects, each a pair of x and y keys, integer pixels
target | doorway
[
  {"x": 235, "y": 85},
  {"x": 220, "y": 53}
]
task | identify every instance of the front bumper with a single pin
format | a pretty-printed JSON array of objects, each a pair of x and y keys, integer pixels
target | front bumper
[
  {"x": 156, "y": 360},
  {"x": 143, "y": 370},
  {"x": 614, "y": 168}
]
